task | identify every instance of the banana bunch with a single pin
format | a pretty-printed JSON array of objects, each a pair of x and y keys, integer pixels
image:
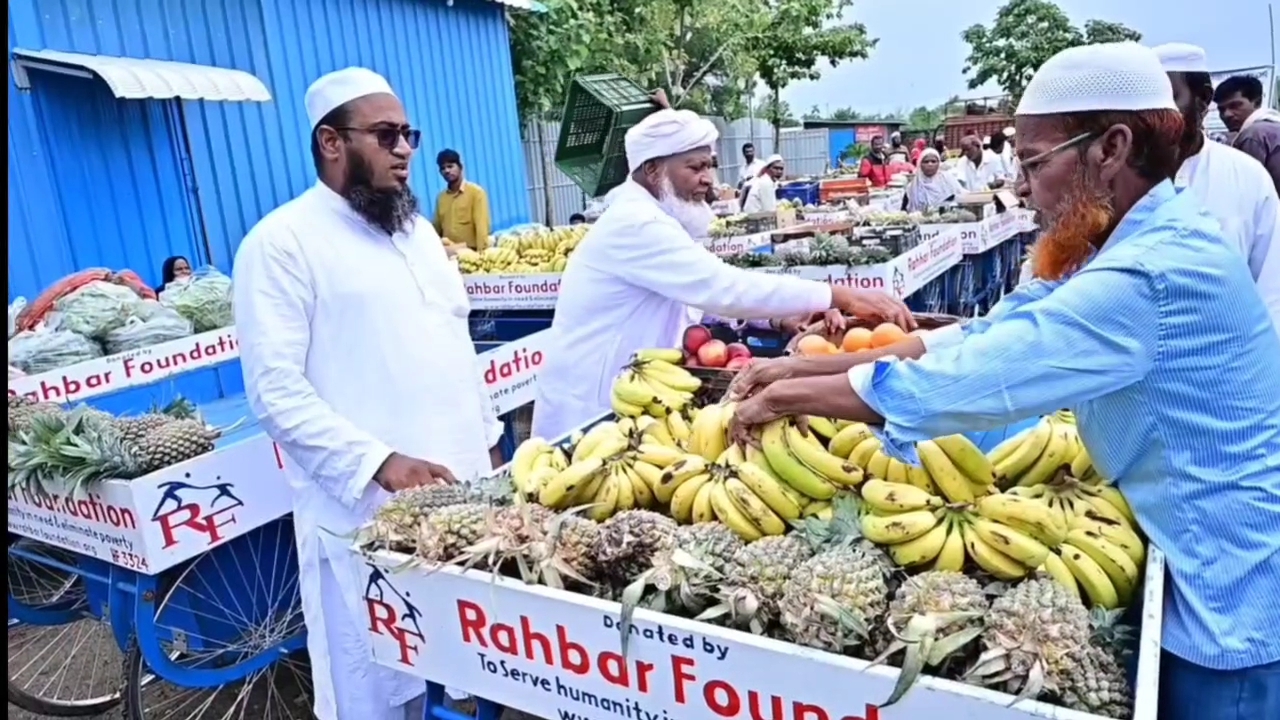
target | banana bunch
[
  {"x": 801, "y": 460},
  {"x": 742, "y": 494},
  {"x": 653, "y": 384},
  {"x": 952, "y": 466},
  {"x": 915, "y": 526},
  {"x": 1037, "y": 454}
]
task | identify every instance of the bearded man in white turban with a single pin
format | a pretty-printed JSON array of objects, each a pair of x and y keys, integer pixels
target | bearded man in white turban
[{"x": 632, "y": 282}]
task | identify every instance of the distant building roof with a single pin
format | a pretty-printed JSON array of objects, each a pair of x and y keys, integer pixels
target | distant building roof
[{"x": 812, "y": 124}]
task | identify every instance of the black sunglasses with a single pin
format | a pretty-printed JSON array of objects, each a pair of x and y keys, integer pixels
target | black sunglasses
[{"x": 389, "y": 137}]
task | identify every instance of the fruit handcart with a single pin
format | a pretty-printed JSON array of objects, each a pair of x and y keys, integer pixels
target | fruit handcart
[{"x": 649, "y": 566}]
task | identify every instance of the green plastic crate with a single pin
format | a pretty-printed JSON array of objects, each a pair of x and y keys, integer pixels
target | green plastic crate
[{"x": 597, "y": 114}]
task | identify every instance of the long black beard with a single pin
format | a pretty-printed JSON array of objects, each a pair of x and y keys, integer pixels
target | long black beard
[{"x": 392, "y": 210}]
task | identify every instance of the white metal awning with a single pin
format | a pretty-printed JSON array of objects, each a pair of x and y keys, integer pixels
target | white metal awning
[{"x": 144, "y": 79}]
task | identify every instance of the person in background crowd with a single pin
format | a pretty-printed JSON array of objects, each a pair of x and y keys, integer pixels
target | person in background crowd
[
  {"x": 979, "y": 169},
  {"x": 1010, "y": 155},
  {"x": 751, "y": 166},
  {"x": 940, "y": 144},
  {"x": 897, "y": 151},
  {"x": 875, "y": 165},
  {"x": 762, "y": 194},
  {"x": 462, "y": 209},
  {"x": 929, "y": 187},
  {"x": 642, "y": 269},
  {"x": 1145, "y": 322},
  {"x": 917, "y": 148},
  {"x": 1256, "y": 128},
  {"x": 577, "y": 219},
  {"x": 1232, "y": 186},
  {"x": 353, "y": 337},
  {"x": 174, "y": 268},
  {"x": 998, "y": 154}
]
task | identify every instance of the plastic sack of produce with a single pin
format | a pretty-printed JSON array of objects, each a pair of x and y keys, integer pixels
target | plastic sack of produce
[
  {"x": 15, "y": 309},
  {"x": 151, "y": 324},
  {"x": 95, "y": 309},
  {"x": 37, "y": 309},
  {"x": 205, "y": 299},
  {"x": 46, "y": 348}
]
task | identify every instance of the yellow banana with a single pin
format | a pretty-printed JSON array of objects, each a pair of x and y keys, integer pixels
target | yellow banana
[
  {"x": 630, "y": 388},
  {"x": 639, "y": 487},
  {"x": 1092, "y": 578},
  {"x": 791, "y": 470},
  {"x": 702, "y": 509},
  {"x": 1120, "y": 570},
  {"x": 923, "y": 549},
  {"x": 1084, "y": 495},
  {"x": 652, "y": 476},
  {"x": 756, "y": 456},
  {"x": 586, "y": 446},
  {"x": 674, "y": 400},
  {"x": 708, "y": 439},
  {"x": 770, "y": 491},
  {"x": 678, "y": 427},
  {"x": 732, "y": 515},
  {"x": 1001, "y": 566},
  {"x": 1117, "y": 534},
  {"x": 847, "y": 438},
  {"x": 1020, "y": 459},
  {"x": 683, "y": 469},
  {"x": 670, "y": 355},
  {"x": 820, "y": 509},
  {"x": 878, "y": 464},
  {"x": 732, "y": 456},
  {"x": 627, "y": 426},
  {"x": 893, "y": 529},
  {"x": 824, "y": 427},
  {"x": 558, "y": 490},
  {"x": 671, "y": 375},
  {"x": 816, "y": 458},
  {"x": 659, "y": 455},
  {"x": 945, "y": 474},
  {"x": 1056, "y": 454},
  {"x": 889, "y": 498},
  {"x": 1113, "y": 497},
  {"x": 1017, "y": 545},
  {"x": 626, "y": 493},
  {"x": 539, "y": 477},
  {"x": 967, "y": 458},
  {"x": 605, "y": 501},
  {"x": 656, "y": 431},
  {"x": 559, "y": 460},
  {"x": 861, "y": 453},
  {"x": 658, "y": 410},
  {"x": 917, "y": 476},
  {"x": 896, "y": 471},
  {"x": 952, "y": 555},
  {"x": 525, "y": 456},
  {"x": 755, "y": 508},
  {"x": 608, "y": 446},
  {"x": 1081, "y": 464},
  {"x": 1001, "y": 452},
  {"x": 1032, "y": 517},
  {"x": 1055, "y": 568},
  {"x": 683, "y": 496}
]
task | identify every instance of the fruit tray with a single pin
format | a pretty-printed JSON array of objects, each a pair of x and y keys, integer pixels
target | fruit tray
[
  {"x": 926, "y": 321},
  {"x": 715, "y": 383}
]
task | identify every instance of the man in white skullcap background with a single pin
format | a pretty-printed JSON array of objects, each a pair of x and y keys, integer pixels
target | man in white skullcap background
[
  {"x": 762, "y": 193},
  {"x": 1145, "y": 322},
  {"x": 631, "y": 283},
  {"x": 358, "y": 363},
  {"x": 1234, "y": 187}
]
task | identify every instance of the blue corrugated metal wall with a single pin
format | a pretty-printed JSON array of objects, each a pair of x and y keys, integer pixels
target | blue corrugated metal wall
[{"x": 451, "y": 64}]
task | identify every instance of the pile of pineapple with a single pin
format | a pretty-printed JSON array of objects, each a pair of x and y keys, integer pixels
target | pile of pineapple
[
  {"x": 56, "y": 449},
  {"x": 543, "y": 250},
  {"x": 1008, "y": 571}
]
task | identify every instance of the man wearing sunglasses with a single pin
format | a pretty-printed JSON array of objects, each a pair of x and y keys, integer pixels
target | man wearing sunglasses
[
  {"x": 1145, "y": 321},
  {"x": 358, "y": 363}
]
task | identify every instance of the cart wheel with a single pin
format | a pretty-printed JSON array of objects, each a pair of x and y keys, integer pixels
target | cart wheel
[
  {"x": 281, "y": 691},
  {"x": 59, "y": 657}
]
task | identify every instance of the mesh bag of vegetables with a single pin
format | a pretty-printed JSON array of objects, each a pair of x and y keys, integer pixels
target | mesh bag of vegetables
[
  {"x": 97, "y": 308},
  {"x": 151, "y": 324},
  {"x": 48, "y": 348},
  {"x": 15, "y": 309},
  {"x": 205, "y": 299}
]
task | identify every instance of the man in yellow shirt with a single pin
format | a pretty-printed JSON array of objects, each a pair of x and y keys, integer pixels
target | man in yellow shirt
[{"x": 462, "y": 210}]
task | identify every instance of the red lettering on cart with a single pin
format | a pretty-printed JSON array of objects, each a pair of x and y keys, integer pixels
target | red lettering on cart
[
  {"x": 567, "y": 655},
  {"x": 384, "y": 619},
  {"x": 522, "y": 361},
  {"x": 725, "y": 700},
  {"x": 196, "y": 520}
]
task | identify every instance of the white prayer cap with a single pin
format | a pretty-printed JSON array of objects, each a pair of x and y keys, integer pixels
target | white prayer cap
[
  {"x": 1182, "y": 58},
  {"x": 1109, "y": 76},
  {"x": 341, "y": 87},
  {"x": 666, "y": 133},
  {"x": 1010, "y": 132},
  {"x": 774, "y": 158}
]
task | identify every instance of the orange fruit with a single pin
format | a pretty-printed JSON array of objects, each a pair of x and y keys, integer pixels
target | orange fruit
[
  {"x": 856, "y": 339},
  {"x": 886, "y": 334},
  {"x": 813, "y": 345}
]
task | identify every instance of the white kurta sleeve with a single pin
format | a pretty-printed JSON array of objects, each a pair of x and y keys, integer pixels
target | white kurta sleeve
[
  {"x": 663, "y": 259},
  {"x": 1264, "y": 255},
  {"x": 493, "y": 426},
  {"x": 274, "y": 300}
]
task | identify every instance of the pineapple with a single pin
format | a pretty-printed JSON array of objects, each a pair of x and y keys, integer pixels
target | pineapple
[
  {"x": 684, "y": 577},
  {"x": 834, "y": 598},
  {"x": 629, "y": 541},
  {"x": 1035, "y": 642},
  {"x": 135, "y": 430},
  {"x": 66, "y": 451},
  {"x": 439, "y": 536},
  {"x": 535, "y": 544},
  {"x": 22, "y": 411},
  {"x": 172, "y": 443},
  {"x": 754, "y": 579},
  {"x": 1096, "y": 683},
  {"x": 576, "y": 546}
]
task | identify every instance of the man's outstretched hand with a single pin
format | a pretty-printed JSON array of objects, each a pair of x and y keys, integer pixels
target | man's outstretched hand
[
  {"x": 873, "y": 305},
  {"x": 401, "y": 472}
]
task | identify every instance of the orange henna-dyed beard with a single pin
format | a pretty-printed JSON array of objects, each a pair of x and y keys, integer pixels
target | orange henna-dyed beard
[{"x": 1082, "y": 226}]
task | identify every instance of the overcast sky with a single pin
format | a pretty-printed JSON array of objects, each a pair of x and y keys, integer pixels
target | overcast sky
[{"x": 920, "y": 54}]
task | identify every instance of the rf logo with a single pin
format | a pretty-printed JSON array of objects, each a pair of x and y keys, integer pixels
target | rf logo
[
  {"x": 392, "y": 614},
  {"x": 899, "y": 282},
  {"x": 186, "y": 509}
]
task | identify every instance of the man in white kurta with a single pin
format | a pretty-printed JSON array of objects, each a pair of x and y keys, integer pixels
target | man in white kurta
[
  {"x": 979, "y": 169},
  {"x": 633, "y": 279},
  {"x": 1234, "y": 187},
  {"x": 358, "y": 363},
  {"x": 762, "y": 193}
]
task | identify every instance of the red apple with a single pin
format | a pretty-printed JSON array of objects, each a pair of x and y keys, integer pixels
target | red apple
[
  {"x": 738, "y": 350},
  {"x": 695, "y": 336},
  {"x": 738, "y": 363},
  {"x": 713, "y": 353}
]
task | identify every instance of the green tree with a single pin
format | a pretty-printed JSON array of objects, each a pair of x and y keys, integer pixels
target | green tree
[
  {"x": 795, "y": 36},
  {"x": 1024, "y": 35},
  {"x": 548, "y": 49}
]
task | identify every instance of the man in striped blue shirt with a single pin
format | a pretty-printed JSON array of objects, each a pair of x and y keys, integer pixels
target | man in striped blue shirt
[{"x": 1148, "y": 324}]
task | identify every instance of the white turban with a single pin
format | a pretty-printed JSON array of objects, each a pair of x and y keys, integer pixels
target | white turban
[
  {"x": 774, "y": 158},
  {"x": 1182, "y": 58},
  {"x": 1121, "y": 76},
  {"x": 341, "y": 87},
  {"x": 666, "y": 133}
]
